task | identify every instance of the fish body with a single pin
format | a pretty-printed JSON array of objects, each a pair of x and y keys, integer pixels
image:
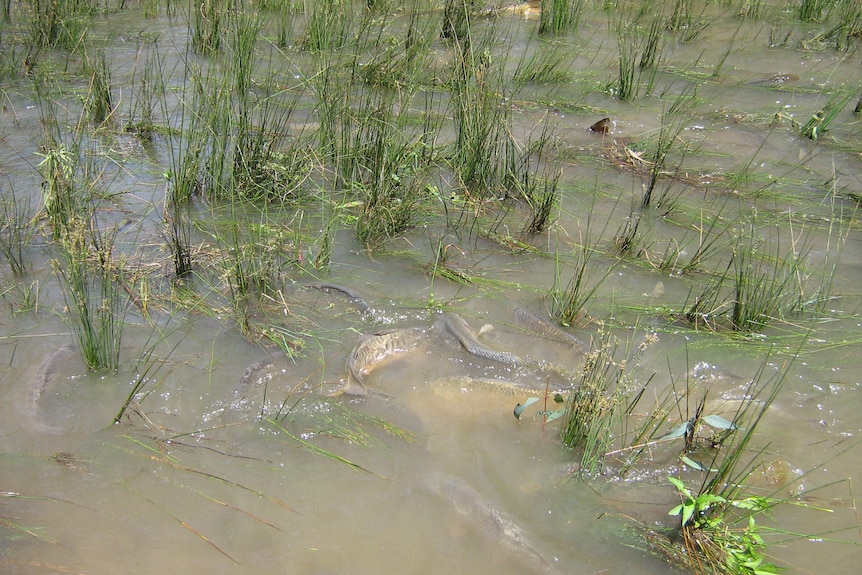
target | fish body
[
  {"x": 774, "y": 80},
  {"x": 351, "y": 294},
  {"x": 373, "y": 349},
  {"x": 600, "y": 127},
  {"x": 258, "y": 371},
  {"x": 498, "y": 528},
  {"x": 40, "y": 382},
  {"x": 542, "y": 327},
  {"x": 458, "y": 327}
]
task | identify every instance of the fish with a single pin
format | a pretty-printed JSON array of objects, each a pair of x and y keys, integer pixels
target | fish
[
  {"x": 373, "y": 349},
  {"x": 488, "y": 385},
  {"x": 600, "y": 127},
  {"x": 40, "y": 385},
  {"x": 498, "y": 528},
  {"x": 527, "y": 9},
  {"x": 254, "y": 371},
  {"x": 774, "y": 80},
  {"x": 458, "y": 327},
  {"x": 544, "y": 328},
  {"x": 351, "y": 294}
]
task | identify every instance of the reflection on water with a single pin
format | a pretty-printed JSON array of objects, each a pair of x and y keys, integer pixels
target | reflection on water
[{"x": 237, "y": 458}]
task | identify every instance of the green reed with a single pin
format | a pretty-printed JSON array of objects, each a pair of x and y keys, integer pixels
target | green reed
[
  {"x": 482, "y": 122},
  {"x": 625, "y": 239},
  {"x": 569, "y": 301},
  {"x": 149, "y": 81},
  {"x": 330, "y": 25},
  {"x": 532, "y": 177},
  {"x": 718, "y": 532},
  {"x": 62, "y": 24},
  {"x": 821, "y": 120},
  {"x": 208, "y": 24},
  {"x": 457, "y": 15},
  {"x": 99, "y": 102},
  {"x": 765, "y": 283},
  {"x": 403, "y": 61},
  {"x": 674, "y": 121},
  {"x": 92, "y": 284},
  {"x": 608, "y": 391},
  {"x": 812, "y": 10},
  {"x": 559, "y": 16},
  {"x": 17, "y": 228},
  {"x": 60, "y": 195},
  {"x": 638, "y": 52},
  {"x": 549, "y": 63},
  {"x": 386, "y": 167}
]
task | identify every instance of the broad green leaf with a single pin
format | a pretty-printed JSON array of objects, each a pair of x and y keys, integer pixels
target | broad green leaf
[
  {"x": 680, "y": 486},
  {"x": 519, "y": 409},
  {"x": 695, "y": 465},
  {"x": 752, "y": 503},
  {"x": 677, "y": 431},
  {"x": 559, "y": 398},
  {"x": 719, "y": 422},
  {"x": 552, "y": 415}
]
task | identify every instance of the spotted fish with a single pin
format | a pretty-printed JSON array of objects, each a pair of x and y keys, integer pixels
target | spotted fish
[{"x": 499, "y": 529}]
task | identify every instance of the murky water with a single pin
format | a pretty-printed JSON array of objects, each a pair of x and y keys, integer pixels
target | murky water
[{"x": 233, "y": 459}]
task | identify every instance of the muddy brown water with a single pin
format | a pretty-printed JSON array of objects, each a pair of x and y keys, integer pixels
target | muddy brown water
[{"x": 193, "y": 480}]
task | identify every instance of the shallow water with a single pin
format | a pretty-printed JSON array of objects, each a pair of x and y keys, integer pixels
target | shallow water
[{"x": 193, "y": 479}]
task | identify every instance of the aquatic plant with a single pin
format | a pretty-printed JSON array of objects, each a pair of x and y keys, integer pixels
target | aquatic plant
[
  {"x": 568, "y": 303},
  {"x": 764, "y": 280},
  {"x": 17, "y": 228},
  {"x": 149, "y": 82},
  {"x": 559, "y": 16},
  {"x": 92, "y": 284},
  {"x": 482, "y": 122},
  {"x": 812, "y": 10},
  {"x": 99, "y": 103},
  {"x": 638, "y": 57},
  {"x": 607, "y": 393},
  {"x": 549, "y": 63},
  {"x": 674, "y": 120},
  {"x": 456, "y": 19},
  {"x": 719, "y": 533},
  {"x": 60, "y": 24},
  {"x": 820, "y": 121},
  {"x": 60, "y": 196},
  {"x": 329, "y": 25},
  {"x": 208, "y": 24},
  {"x": 178, "y": 230}
]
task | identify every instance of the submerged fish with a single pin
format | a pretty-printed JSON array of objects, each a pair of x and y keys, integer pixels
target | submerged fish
[
  {"x": 373, "y": 349},
  {"x": 774, "y": 80},
  {"x": 487, "y": 385},
  {"x": 353, "y": 295},
  {"x": 542, "y": 327},
  {"x": 600, "y": 127},
  {"x": 495, "y": 526},
  {"x": 458, "y": 327},
  {"x": 39, "y": 385},
  {"x": 258, "y": 370}
]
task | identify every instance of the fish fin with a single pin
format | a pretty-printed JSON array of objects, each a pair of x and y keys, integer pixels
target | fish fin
[{"x": 353, "y": 386}]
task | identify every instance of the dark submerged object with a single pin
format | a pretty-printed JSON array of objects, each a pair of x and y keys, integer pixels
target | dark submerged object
[
  {"x": 600, "y": 127},
  {"x": 774, "y": 80},
  {"x": 458, "y": 326},
  {"x": 496, "y": 527}
]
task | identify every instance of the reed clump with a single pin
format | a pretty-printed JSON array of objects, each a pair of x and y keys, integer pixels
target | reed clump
[
  {"x": 606, "y": 395},
  {"x": 92, "y": 284},
  {"x": 559, "y": 16},
  {"x": 17, "y": 229}
]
